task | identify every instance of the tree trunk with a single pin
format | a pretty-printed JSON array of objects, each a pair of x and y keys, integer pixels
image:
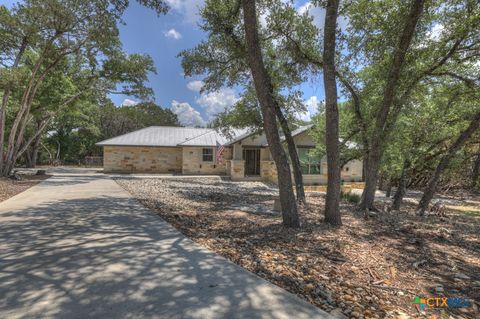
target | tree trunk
[
  {"x": 372, "y": 166},
  {"x": 35, "y": 148},
  {"x": 332, "y": 202},
  {"x": 432, "y": 184},
  {"x": 402, "y": 186},
  {"x": 388, "y": 191},
  {"x": 27, "y": 99},
  {"x": 381, "y": 183},
  {"x": 381, "y": 131},
  {"x": 476, "y": 172},
  {"x": 5, "y": 99},
  {"x": 264, "y": 91},
  {"x": 28, "y": 160},
  {"x": 292, "y": 150},
  {"x": 21, "y": 119}
]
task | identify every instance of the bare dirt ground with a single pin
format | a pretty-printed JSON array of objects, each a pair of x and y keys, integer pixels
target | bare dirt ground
[
  {"x": 10, "y": 187},
  {"x": 365, "y": 269}
]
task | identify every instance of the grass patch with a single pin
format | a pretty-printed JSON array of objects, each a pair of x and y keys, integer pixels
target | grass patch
[{"x": 350, "y": 197}]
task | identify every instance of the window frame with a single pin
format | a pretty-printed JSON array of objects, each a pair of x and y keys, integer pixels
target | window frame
[{"x": 204, "y": 154}]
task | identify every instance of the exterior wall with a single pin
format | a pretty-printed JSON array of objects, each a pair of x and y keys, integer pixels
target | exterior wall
[
  {"x": 188, "y": 160},
  {"x": 194, "y": 164},
  {"x": 254, "y": 140},
  {"x": 268, "y": 171},
  {"x": 237, "y": 169},
  {"x": 304, "y": 139},
  {"x": 352, "y": 171},
  {"x": 138, "y": 159}
]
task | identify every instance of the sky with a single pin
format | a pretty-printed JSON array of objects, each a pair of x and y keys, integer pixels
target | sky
[{"x": 163, "y": 37}]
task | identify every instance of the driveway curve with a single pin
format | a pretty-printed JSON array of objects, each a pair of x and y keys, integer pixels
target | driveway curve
[{"x": 78, "y": 246}]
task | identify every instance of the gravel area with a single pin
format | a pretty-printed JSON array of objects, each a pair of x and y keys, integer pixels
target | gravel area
[
  {"x": 201, "y": 195},
  {"x": 10, "y": 187},
  {"x": 366, "y": 269}
]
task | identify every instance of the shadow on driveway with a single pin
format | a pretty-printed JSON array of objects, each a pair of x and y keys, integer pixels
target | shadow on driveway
[{"x": 94, "y": 254}]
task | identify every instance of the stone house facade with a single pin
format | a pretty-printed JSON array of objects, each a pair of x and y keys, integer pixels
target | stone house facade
[{"x": 193, "y": 151}]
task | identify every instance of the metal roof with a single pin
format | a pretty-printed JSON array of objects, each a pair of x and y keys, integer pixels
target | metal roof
[
  {"x": 188, "y": 136},
  {"x": 297, "y": 131},
  {"x": 169, "y": 136}
]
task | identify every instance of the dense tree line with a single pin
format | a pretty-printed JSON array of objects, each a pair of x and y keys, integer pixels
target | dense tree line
[
  {"x": 407, "y": 71},
  {"x": 59, "y": 61}
]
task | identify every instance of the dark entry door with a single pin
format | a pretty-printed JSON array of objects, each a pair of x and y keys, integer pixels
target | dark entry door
[{"x": 252, "y": 162}]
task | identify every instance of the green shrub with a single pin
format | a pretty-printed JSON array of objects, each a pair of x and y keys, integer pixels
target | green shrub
[{"x": 350, "y": 197}]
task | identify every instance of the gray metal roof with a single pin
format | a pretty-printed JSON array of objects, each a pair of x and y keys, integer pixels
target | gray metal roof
[{"x": 169, "y": 136}]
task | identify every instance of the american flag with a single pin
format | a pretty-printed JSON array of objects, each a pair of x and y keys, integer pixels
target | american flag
[{"x": 220, "y": 149}]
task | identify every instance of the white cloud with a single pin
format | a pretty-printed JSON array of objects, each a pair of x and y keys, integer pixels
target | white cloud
[
  {"x": 173, "y": 34},
  {"x": 436, "y": 33},
  {"x": 313, "y": 106},
  {"x": 216, "y": 102},
  {"x": 318, "y": 15},
  {"x": 186, "y": 8},
  {"x": 186, "y": 114},
  {"x": 195, "y": 86},
  {"x": 128, "y": 102}
]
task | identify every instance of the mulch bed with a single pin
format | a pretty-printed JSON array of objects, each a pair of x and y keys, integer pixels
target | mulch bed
[
  {"x": 366, "y": 269},
  {"x": 10, "y": 187}
]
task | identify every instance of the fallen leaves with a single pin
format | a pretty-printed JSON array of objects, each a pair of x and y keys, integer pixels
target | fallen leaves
[{"x": 366, "y": 269}]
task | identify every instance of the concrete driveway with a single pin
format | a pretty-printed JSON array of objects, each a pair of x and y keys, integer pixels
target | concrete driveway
[{"x": 78, "y": 246}]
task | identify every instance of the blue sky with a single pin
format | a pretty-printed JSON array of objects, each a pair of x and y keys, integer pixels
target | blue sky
[{"x": 163, "y": 38}]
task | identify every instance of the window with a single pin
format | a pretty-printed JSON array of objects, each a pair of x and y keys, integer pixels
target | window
[
  {"x": 309, "y": 162},
  {"x": 207, "y": 155}
]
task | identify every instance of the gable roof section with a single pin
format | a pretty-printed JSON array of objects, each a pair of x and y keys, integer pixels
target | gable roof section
[
  {"x": 155, "y": 136},
  {"x": 169, "y": 136}
]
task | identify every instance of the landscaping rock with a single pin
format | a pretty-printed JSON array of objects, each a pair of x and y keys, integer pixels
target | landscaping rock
[
  {"x": 337, "y": 312},
  {"x": 439, "y": 289},
  {"x": 15, "y": 177},
  {"x": 460, "y": 275}
]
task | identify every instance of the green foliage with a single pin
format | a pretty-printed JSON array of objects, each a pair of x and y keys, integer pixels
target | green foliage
[
  {"x": 69, "y": 58},
  {"x": 350, "y": 197},
  {"x": 76, "y": 129},
  {"x": 221, "y": 58},
  {"x": 350, "y": 142}
]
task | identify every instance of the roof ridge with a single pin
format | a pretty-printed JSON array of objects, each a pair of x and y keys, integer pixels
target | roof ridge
[
  {"x": 197, "y": 136},
  {"x": 183, "y": 127}
]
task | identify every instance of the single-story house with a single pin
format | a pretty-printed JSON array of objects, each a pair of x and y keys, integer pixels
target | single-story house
[{"x": 193, "y": 151}]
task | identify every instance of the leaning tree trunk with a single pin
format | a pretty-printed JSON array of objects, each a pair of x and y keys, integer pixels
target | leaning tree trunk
[
  {"x": 332, "y": 202},
  {"x": 432, "y": 184},
  {"x": 476, "y": 172},
  {"x": 381, "y": 130},
  {"x": 264, "y": 91},
  {"x": 5, "y": 99},
  {"x": 292, "y": 150},
  {"x": 402, "y": 186}
]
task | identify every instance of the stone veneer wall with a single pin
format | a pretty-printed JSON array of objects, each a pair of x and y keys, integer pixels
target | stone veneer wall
[
  {"x": 193, "y": 163},
  {"x": 138, "y": 159},
  {"x": 268, "y": 171},
  {"x": 237, "y": 169},
  {"x": 354, "y": 173}
]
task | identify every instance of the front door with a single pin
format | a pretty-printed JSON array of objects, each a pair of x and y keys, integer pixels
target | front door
[{"x": 252, "y": 162}]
